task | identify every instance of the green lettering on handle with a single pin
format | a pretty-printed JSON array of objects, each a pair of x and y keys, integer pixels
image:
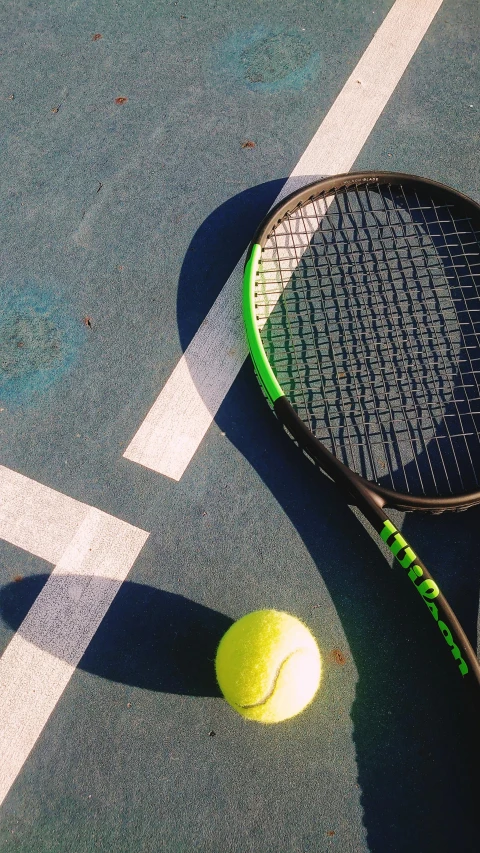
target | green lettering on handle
[
  {"x": 428, "y": 589},
  {"x": 388, "y": 530}
]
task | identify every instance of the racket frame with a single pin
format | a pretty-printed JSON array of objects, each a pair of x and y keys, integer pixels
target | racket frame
[
  {"x": 385, "y": 496},
  {"x": 369, "y": 497}
]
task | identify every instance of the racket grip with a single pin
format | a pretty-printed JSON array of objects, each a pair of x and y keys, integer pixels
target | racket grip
[{"x": 455, "y": 639}]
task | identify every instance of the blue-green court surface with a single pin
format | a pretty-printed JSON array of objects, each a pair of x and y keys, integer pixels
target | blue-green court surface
[{"x": 142, "y": 144}]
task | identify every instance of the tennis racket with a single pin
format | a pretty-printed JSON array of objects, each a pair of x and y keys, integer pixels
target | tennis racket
[{"x": 362, "y": 309}]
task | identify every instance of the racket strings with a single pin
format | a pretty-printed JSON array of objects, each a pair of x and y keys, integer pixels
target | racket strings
[
  {"x": 369, "y": 307},
  {"x": 382, "y": 235},
  {"x": 433, "y": 395},
  {"x": 463, "y": 402},
  {"x": 359, "y": 443},
  {"x": 406, "y": 365},
  {"x": 374, "y": 336},
  {"x": 436, "y": 341},
  {"x": 387, "y": 415}
]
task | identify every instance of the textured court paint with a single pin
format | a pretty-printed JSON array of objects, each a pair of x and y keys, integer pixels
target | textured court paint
[
  {"x": 86, "y": 545},
  {"x": 268, "y": 60},
  {"x": 170, "y": 435},
  {"x": 35, "y": 517},
  {"x": 349, "y": 122},
  {"x": 178, "y": 420},
  {"x": 141, "y": 156},
  {"x": 39, "y": 339}
]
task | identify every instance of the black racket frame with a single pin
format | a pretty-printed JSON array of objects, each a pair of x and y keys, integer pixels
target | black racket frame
[{"x": 284, "y": 410}]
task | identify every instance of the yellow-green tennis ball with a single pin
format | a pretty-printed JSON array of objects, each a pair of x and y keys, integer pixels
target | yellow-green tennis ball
[{"x": 268, "y": 666}]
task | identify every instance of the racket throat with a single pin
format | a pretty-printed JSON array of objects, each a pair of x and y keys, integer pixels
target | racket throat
[{"x": 370, "y": 503}]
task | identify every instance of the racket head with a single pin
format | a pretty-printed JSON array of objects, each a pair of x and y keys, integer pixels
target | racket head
[{"x": 362, "y": 310}]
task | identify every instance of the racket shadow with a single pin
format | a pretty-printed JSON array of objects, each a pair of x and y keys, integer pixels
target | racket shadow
[
  {"x": 413, "y": 734},
  {"x": 213, "y": 253}
]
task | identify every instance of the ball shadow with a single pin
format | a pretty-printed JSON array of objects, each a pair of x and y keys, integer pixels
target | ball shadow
[{"x": 148, "y": 638}]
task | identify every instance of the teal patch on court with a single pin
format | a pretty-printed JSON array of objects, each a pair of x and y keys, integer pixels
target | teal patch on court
[
  {"x": 39, "y": 339},
  {"x": 270, "y": 60}
]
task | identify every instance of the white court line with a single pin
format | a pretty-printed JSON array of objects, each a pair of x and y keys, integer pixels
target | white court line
[
  {"x": 178, "y": 420},
  {"x": 93, "y": 553}
]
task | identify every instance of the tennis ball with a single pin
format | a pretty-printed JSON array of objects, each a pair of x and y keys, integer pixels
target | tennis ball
[{"x": 268, "y": 666}]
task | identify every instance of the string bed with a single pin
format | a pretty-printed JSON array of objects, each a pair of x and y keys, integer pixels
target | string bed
[{"x": 368, "y": 305}]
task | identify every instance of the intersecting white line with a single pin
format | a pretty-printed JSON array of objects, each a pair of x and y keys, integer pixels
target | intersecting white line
[
  {"x": 93, "y": 553},
  {"x": 174, "y": 427}
]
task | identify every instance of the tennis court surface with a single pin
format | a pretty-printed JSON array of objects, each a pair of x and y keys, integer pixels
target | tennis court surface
[{"x": 148, "y": 498}]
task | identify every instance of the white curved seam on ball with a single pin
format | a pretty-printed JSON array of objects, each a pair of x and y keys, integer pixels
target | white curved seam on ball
[{"x": 274, "y": 685}]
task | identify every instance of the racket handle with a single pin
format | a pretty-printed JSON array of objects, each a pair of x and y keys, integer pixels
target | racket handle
[{"x": 447, "y": 623}]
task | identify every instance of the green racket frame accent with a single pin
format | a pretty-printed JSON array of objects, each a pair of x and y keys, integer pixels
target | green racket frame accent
[{"x": 265, "y": 373}]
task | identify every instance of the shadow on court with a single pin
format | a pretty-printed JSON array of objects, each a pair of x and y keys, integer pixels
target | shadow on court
[
  {"x": 148, "y": 638},
  {"x": 415, "y": 736},
  {"x": 214, "y": 252}
]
